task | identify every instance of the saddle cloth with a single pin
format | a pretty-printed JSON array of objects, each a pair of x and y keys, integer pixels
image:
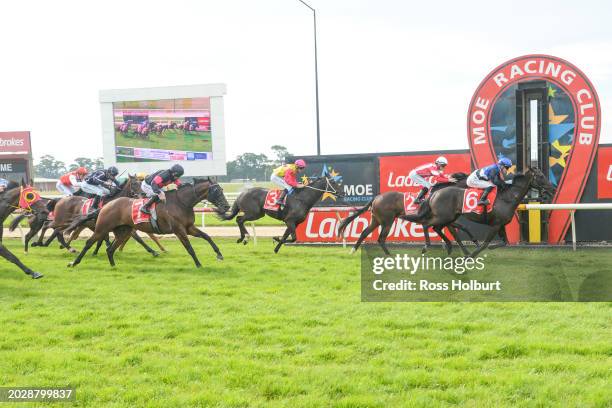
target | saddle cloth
[
  {"x": 409, "y": 206},
  {"x": 270, "y": 202},
  {"x": 86, "y": 207},
  {"x": 139, "y": 217},
  {"x": 470, "y": 200}
]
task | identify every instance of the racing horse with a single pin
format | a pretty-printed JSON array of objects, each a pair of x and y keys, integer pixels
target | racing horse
[
  {"x": 251, "y": 203},
  {"x": 175, "y": 216},
  {"x": 10, "y": 200},
  {"x": 67, "y": 209},
  {"x": 444, "y": 207},
  {"x": 389, "y": 206}
]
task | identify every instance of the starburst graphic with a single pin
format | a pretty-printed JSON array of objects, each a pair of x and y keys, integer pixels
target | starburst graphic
[{"x": 554, "y": 119}]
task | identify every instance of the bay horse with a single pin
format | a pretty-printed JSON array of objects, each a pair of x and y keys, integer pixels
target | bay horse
[
  {"x": 251, "y": 203},
  {"x": 9, "y": 256},
  {"x": 445, "y": 206},
  {"x": 389, "y": 206},
  {"x": 67, "y": 209},
  {"x": 174, "y": 216}
]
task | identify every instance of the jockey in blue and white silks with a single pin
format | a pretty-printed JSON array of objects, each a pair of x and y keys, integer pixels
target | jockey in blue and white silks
[{"x": 488, "y": 177}]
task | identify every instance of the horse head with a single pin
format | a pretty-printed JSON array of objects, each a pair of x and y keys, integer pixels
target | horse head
[
  {"x": 541, "y": 183},
  {"x": 211, "y": 191}
]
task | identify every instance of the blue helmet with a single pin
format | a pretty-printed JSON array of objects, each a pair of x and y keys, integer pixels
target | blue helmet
[{"x": 506, "y": 162}]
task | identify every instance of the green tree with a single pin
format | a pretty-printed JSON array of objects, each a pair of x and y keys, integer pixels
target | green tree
[
  {"x": 281, "y": 154},
  {"x": 49, "y": 167},
  {"x": 89, "y": 164}
]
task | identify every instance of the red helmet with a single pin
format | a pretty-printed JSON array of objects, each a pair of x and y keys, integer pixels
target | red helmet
[
  {"x": 300, "y": 163},
  {"x": 81, "y": 170}
]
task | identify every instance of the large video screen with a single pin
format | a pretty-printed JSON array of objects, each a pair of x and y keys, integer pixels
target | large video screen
[{"x": 163, "y": 130}]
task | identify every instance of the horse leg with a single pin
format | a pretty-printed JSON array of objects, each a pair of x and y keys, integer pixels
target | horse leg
[
  {"x": 137, "y": 238},
  {"x": 485, "y": 244},
  {"x": 503, "y": 236},
  {"x": 196, "y": 232},
  {"x": 51, "y": 238},
  {"x": 382, "y": 238},
  {"x": 122, "y": 234},
  {"x": 288, "y": 231},
  {"x": 467, "y": 231},
  {"x": 427, "y": 239},
  {"x": 364, "y": 234},
  {"x": 157, "y": 241},
  {"x": 28, "y": 237},
  {"x": 447, "y": 242},
  {"x": 41, "y": 236},
  {"x": 182, "y": 236},
  {"x": 88, "y": 244},
  {"x": 8, "y": 255},
  {"x": 99, "y": 244},
  {"x": 63, "y": 243},
  {"x": 455, "y": 235}
]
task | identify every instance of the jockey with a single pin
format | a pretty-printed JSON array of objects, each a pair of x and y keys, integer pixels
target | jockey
[
  {"x": 153, "y": 183},
  {"x": 3, "y": 184},
  {"x": 435, "y": 170},
  {"x": 488, "y": 177},
  {"x": 286, "y": 177},
  {"x": 100, "y": 183},
  {"x": 70, "y": 182}
]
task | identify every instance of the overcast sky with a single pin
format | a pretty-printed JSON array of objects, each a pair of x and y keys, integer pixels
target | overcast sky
[{"x": 393, "y": 75}]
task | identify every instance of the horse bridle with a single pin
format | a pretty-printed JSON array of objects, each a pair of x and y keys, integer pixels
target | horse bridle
[{"x": 327, "y": 184}]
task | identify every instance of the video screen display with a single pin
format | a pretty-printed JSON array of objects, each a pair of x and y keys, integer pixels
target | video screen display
[{"x": 163, "y": 130}]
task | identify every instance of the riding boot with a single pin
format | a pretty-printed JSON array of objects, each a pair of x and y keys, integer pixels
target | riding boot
[
  {"x": 421, "y": 195},
  {"x": 281, "y": 198},
  {"x": 95, "y": 202},
  {"x": 483, "y": 198},
  {"x": 145, "y": 208}
]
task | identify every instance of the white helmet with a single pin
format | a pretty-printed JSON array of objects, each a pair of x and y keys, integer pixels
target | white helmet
[{"x": 442, "y": 160}]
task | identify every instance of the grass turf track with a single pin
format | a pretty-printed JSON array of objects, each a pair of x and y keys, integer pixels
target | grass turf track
[{"x": 290, "y": 331}]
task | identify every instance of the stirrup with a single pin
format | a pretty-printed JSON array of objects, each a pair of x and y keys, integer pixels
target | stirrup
[
  {"x": 485, "y": 202},
  {"x": 145, "y": 210}
]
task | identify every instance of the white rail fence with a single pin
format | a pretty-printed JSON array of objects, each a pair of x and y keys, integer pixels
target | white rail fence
[{"x": 568, "y": 206}]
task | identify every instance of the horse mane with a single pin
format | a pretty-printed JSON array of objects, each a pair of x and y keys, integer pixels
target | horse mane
[{"x": 12, "y": 184}]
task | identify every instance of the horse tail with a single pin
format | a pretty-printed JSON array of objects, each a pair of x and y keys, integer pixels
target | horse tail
[
  {"x": 80, "y": 220},
  {"x": 234, "y": 211},
  {"x": 16, "y": 221},
  {"x": 345, "y": 222}
]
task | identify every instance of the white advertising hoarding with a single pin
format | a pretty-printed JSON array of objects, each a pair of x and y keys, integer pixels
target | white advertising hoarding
[{"x": 148, "y": 129}]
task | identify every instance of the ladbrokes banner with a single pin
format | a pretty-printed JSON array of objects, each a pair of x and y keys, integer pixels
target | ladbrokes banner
[
  {"x": 394, "y": 169},
  {"x": 576, "y": 158}
]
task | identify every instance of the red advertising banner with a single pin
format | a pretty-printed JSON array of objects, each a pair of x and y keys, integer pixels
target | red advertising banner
[
  {"x": 15, "y": 143},
  {"x": 604, "y": 173},
  {"x": 586, "y": 132},
  {"x": 394, "y": 169},
  {"x": 322, "y": 226}
]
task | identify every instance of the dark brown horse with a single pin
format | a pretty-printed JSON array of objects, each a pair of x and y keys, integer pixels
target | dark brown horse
[
  {"x": 445, "y": 206},
  {"x": 251, "y": 203},
  {"x": 174, "y": 216},
  {"x": 67, "y": 209},
  {"x": 389, "y": 206}
]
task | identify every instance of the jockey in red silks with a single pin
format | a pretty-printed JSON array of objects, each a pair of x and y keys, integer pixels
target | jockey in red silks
[
  {"x": 286, "y": 177},
  {"x": 435, "y": 170},
  {"x": 70, "y": 182}
]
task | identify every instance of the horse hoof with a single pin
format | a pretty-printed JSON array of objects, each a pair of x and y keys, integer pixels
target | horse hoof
[
  {"x": 352, "y": 251},
  {"x": 36, "y": 275},
  {"x": 219, "y": 257},
  {"x": 71, "y": 264},
  {"x": 35, "y": 244},
  {"x": 155, "y": 254},
  {"x": 423, "y": 251},
  {"x": 245, "y": 242},
  {"x": 239, "y": 240},
  {"x": 72, "y": 251}
]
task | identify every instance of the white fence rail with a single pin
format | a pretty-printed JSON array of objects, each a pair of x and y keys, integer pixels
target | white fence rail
[{"x": 567, "y": 206}]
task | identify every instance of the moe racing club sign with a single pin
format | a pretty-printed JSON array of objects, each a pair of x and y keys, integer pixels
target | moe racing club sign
[
  {"x": 575, "y": 156},
  {"x": 357, "y": 177}
]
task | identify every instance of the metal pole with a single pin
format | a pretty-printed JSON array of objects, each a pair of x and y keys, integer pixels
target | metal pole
[
  {"x": 573, "y": 231},
  {"x": 314, "y": 16}
]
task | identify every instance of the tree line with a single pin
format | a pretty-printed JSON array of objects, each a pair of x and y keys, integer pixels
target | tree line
[{"x": 252, "y": 166}]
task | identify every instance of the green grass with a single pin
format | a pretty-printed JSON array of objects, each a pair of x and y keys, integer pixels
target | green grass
[
  {"x": 171, "y": 139},
  {"x": 289, "y": 330}
]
